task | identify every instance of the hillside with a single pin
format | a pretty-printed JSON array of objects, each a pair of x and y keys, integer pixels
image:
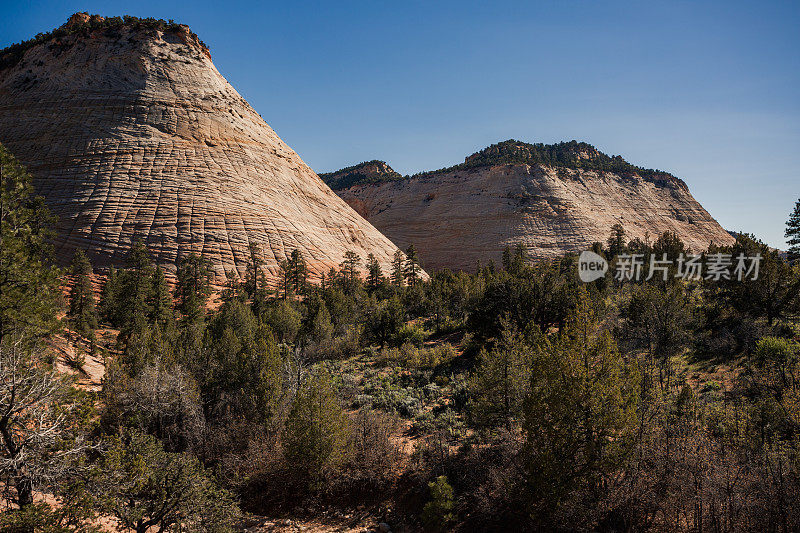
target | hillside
[
  {"x": 131, "y": 133},
  {"x": 551, "y": 198}
]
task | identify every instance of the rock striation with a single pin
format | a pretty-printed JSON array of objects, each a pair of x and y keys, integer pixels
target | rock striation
[
  {"x": 131, "y": 133},
  {"x": 551, "y": 198}
]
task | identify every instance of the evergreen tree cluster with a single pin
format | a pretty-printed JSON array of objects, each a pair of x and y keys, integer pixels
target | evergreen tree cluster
[
  {"x": 109, "y": 26},
  {"x": 535, "y": 401}
]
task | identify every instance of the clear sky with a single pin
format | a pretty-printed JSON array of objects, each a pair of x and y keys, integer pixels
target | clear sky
[{"x": 709, "y": 91}]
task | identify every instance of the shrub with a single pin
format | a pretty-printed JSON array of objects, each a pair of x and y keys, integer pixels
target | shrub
[{"x": 438, "y": 512}]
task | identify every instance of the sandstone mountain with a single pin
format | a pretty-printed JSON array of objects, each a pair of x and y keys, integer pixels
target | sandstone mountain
[
  {"x": 131, "y": 133},
  {"x": 551, "y": 198}
]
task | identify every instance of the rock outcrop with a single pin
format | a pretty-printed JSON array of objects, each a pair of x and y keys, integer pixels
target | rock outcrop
[
  {"x": 131, "y": 133},
  {"x": 551, "y": 198}
]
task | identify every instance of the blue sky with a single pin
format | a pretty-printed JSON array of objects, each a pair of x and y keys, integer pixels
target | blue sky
[{"x": 709, "y": 91}]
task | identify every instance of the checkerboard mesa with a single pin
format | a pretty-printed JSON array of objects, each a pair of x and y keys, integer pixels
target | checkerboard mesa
[
  {"x": 553, "y": 198},
  {"x": 131, "y": 133}
]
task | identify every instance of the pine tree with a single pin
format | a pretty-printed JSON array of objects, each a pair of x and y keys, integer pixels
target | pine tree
[
  {"x": 315, "y": 434},
  {"x": 437, "y": 514},
  {"x": 110, "y": 298},
  {"x": 374, "y": 273},
  {"x": 616, "y": 241},
  {"x": 160, "y": 299},
  {"x": 580, "y": 414},
  {"x": 412, "y": 269},
  {"x": 793, "y": 232},
  {"x": 348, "y": 272},
  {"x": 136, "y": 282},
  {"x": 286, "y": 276},
  {"x": 299, "y": 271},
  {"x": 194, "y": 287},
  {"x": 398, "y": 272},
  {"x": 82, "y": 311},
  {"x": 28, "y": 282},
  {"x": 253, "y": 277},
  {"x": 501, "y": 381}
]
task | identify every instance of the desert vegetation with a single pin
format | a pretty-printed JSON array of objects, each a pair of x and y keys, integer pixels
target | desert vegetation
[{"x": 515, "y": 396}]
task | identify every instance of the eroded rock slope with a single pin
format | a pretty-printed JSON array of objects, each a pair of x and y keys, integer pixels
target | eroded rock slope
[
  {"x": 551, "y": 198},
  {"x": 131, "y": 133}
]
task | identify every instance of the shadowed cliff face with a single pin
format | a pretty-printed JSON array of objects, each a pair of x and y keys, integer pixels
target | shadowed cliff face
[
  {"x": 131, "y": 132},
  {"x": 460, "y": 216}
]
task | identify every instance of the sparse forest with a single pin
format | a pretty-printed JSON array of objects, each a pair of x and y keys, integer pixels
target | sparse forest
[{"x": 515, "y": 396}]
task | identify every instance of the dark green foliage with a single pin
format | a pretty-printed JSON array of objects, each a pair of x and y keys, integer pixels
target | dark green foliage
[
  {"x": 438, "y": 512},
  {"x": 398, "y": 269},
  {"x": 299, "y": 272},
  {"x": 284, "y": 319},
  {"x": 541, "y": 295},
  {"x": 29, "y": 284},
  {"x": 385, "y": 320},
  {"x": 501, "y": 382},
  {"x": 659, "y": 320},
  {"x": 412, "y": 269},
  {"x": 160, "y": 299},
  {"x": 792, "y": 233},
  {"x": 616, "y": 241},
  {"x": 82, "y": 312},
  {"x": 239, "y": 369},
  {"x": 375, "y": 277},
  {"x": 354, "y": 175},
  {"x": 144, "y": 487},
  {"x": 572, "y": 154},
  {"x": 774, "y": 295},
  {"x": 110, "y": 26},
  {"x": 580, "y": 414},
  {"x": 133, "y": 308},
  {"x": 194, "y": 287},
  {"x": 110, "y": 298},
  {"x": 317, "y": 326},
  {"x": 293, "y": 274},
  {"x": 315, "y": 434},
  {"x": 349, "y": 277},
  {"x": 514, "y": 262}
]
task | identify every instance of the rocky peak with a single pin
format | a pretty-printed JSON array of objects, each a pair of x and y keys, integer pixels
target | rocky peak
[
  {"x": 82, "y": 28},
  {"x": 374, "y": 171},
  {"x": 130, "y": 132},
  {"x": 553, "y": 198},
  {"x": 569, "y": 155}
]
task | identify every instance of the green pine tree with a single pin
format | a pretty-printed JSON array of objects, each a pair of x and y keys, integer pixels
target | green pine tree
[
  {"x": 136, "y": 280},
  {"x": 793, "y": 232},
  {"x": 194, "y": 287},
  {"x": 580, "y": 414},
  {"x": 299, "y": 272},
  {"x": 437, "y": 514},
  {"x": 315, "y": 434},
  {"x": 82, "y": 312},
  {"x": 616, "y": 241},
  {"x": 374, "y": 273},
  {"x": 348, "y": 272},
  {"x": 502, "y": 380},
  {"x": 160, "y": 299},
  {"x": 412, "y": 269},
  {"x": 110, "y": 298},
  {"x": 29, "y": 283},
  {"x": 398, "y": 272}
]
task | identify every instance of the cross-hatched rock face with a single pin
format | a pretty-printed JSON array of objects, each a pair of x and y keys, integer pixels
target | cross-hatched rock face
[
  {"x": 132, "y": 133},
  {"x": 457, "y": 218}
]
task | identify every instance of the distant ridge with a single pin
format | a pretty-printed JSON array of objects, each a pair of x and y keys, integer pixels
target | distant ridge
[
  {"x": 552, "y": 198},
  {"x": 566, "y": 154},
  {"x": 374, "y": 171}
]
